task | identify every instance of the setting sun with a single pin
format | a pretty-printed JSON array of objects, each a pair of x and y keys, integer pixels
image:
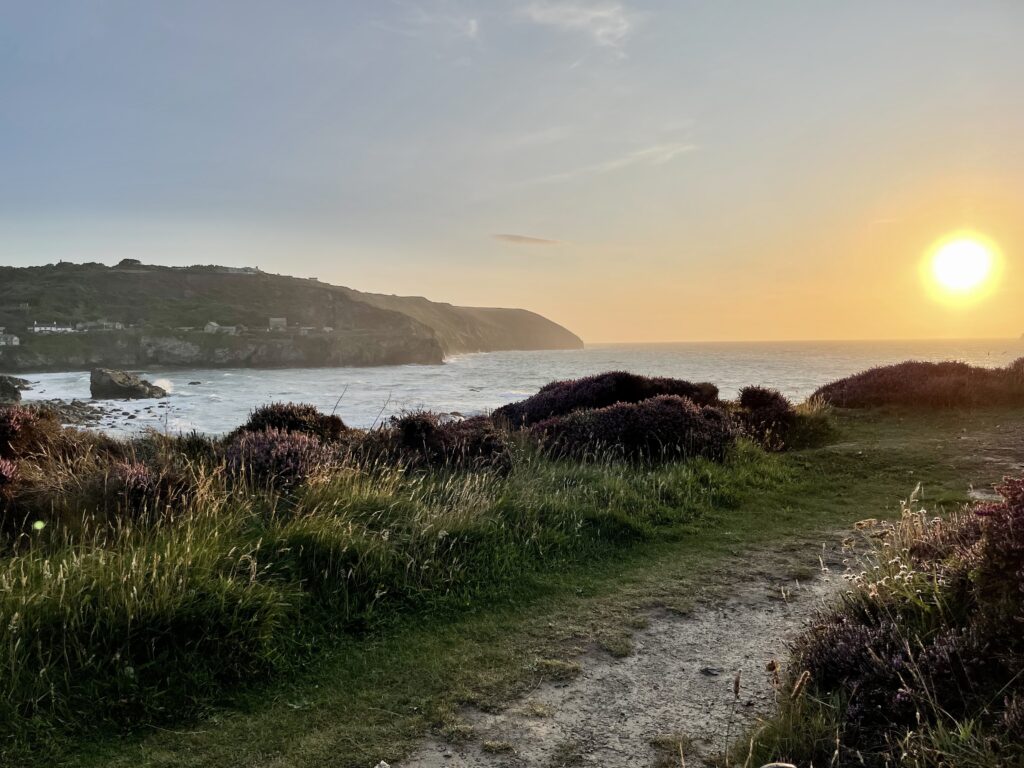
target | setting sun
[{"x": 962, "y": 266}]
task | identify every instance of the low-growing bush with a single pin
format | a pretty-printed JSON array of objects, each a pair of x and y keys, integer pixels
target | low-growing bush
[
  {"x": 425, "y": 440},
  {"x": 922, "y": 662},
  {"x": 657, "y": 429},
  {"x": 770, "y": 420},
  {"x": 928, "y": 385},
  {"x": 295, "y": 417},
  {"x": 272, "y": 457},
  {"x": 562, "y": 397},
  {"x": 766, "y": 416}
]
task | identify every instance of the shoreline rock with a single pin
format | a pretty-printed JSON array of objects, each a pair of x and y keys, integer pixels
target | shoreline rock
[
  {"x": 11, "y": 388},
  {"x": 9, "y": 393},
  {"x": 111, "y": 384}
]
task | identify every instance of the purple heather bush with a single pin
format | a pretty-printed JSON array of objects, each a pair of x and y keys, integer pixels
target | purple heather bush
[
  {"x": 562, "y": 397},
  {"x": 295, "y": 417},
  {"x": 657, "y": 429},
  {"x": 425, "y": 440},
  {"x": 273, "y": 457},
  {"x": 932, "y": 636},
  {"x": 928, "y": 385}
]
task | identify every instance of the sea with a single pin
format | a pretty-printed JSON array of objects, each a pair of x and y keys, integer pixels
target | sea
[{"x": 217, "y": 400}]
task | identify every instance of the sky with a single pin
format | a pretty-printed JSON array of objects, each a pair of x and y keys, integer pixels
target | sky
[{"x": 637, "y": 171}]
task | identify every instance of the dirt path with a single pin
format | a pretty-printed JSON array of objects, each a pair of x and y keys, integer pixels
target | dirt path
[{"x": 677, "y": 682}]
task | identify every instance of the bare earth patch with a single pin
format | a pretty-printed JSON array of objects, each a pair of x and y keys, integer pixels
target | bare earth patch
[{"x": 675, "y": 687}]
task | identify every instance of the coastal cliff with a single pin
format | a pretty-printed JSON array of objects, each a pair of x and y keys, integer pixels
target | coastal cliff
[
  {"x": 134, "y": 315},
  {"x": 477, "y": 329},
  {"x": 131, "y": 349}
]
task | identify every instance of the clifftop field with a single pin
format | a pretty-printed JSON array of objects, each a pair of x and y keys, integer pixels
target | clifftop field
[{"x": 183, "y": 600}]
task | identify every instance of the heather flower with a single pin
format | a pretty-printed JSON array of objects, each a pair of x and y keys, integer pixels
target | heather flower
[
  {"x": 133, "y": 481},
  {"x": 271, "y": 456}
]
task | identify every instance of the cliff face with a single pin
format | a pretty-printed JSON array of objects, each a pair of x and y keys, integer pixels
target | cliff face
[
  {"x": 198, "y": 350},
  {"x": 168, "y": 307}
]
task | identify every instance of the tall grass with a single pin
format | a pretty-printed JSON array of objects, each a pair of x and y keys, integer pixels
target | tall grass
[{"x": 139, "y": 601}]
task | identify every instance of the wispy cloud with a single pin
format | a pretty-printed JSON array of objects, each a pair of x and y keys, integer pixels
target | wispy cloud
[
  {"x": 609, "y": 24},
  {"x": 653, "y": 155},
  {"x": 420, "y": 19},
  {"x": 525, "y": 240}
]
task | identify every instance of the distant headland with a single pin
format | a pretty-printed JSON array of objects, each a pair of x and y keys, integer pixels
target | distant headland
[{"x": 79, "y": 316}]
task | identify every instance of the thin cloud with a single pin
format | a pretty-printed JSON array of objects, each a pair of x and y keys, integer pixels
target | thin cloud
[
  {"x": 415, "y": 20},
  {"x": 654, "y": 155},
  {"x": 525, "y": 240},
  {"x": 608, "y": 24}
]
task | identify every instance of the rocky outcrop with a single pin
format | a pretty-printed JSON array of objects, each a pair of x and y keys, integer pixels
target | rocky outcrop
[
  {"x": 109, "y": 384},
  {"x": 10, "y": 390}
]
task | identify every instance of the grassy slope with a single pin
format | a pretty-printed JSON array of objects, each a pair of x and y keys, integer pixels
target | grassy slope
[
  {"x": 171, "y": 297},
  {"x": 371, "y": 698}
]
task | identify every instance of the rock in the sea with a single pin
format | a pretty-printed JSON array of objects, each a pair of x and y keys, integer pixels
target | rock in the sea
[
  {"x": 108, "y": 384},
  {"x": 10, "y": 392}
]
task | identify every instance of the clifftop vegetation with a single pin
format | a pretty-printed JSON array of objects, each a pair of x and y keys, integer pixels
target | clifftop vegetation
[{"x": 166, "y": 298}]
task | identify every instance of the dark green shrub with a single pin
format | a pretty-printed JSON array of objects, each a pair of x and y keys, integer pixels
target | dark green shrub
[
  {"x": 562, "y": 397},
  {"x": 766, "y": 416},
  {"x": 769, "y": 419}
]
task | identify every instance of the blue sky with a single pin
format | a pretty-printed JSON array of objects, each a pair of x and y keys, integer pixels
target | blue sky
[{"x": 625, "y": 168}]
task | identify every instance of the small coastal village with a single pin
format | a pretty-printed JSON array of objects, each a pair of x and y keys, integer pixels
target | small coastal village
[
  {"x": 52, "y": 327},
  {"x": 21, "y": 326}
]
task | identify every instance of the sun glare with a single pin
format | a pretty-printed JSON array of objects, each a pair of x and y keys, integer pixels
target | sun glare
[{"x": 962, "y": 266}]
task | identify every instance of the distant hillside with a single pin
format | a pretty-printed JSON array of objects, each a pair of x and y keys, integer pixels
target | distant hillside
[
  {"x": 163, "y": 311},
  {"x": 477, "y": 329}
]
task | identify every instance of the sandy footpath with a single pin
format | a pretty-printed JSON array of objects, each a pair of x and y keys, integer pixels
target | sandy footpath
[{"x": 678, "y": 680}]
